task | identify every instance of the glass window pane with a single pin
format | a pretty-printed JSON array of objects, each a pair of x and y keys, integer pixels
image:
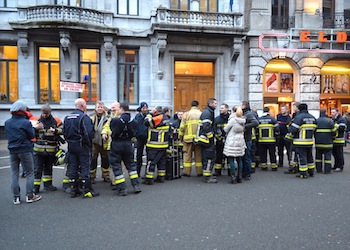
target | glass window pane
[
  {"x": 3, "y": 79},
  {"x": 133, "y": 7},
  {"x": 122, "y": 82},
  {"x": 213, "y": 6},
  {"x": 133, "y": 79},
  {"x": 130, "y": 56},
  {"x": 55, "y": 82},
  {"x": 84, "y": 71},
  {"x": 48, "y": 53},
  {"x": 8, "y": 52},
  {"x": 95, "y": 83},
  {"x": 11, "y": 3},
  {"x": 203, "y": 5},
  {"x": 174, "y": 4},
  {"x": 44, "y": 82},
  {"x": 89, "y": 55},
  {"x": 13, "y": 81},
  {"x": 184, "y": 5},
  {"x": 122, "y": 7}
]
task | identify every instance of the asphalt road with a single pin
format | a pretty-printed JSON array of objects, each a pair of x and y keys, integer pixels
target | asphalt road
[{"x": 271, "y": 211}]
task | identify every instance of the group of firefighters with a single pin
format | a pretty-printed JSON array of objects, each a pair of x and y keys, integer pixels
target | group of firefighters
[{"x": 114, "y": 136}]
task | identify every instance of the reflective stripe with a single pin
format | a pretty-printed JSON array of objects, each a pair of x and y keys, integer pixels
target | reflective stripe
[
  {"x": 133, "y": 176},
  {"x": 323, "y": 130},
  {"x": 161, "y": 173},
  {"x": 303, "y": 168},
  {"x": 206, "y": 174},
  {"x": 118, "y": 181},
  {"x": 318, "y": 160},
  {"x": 149, "y": 176},
  {"x": 328, "y": 161},
  {"x": 218, "y": 166},
  {"x": 324, "y": 145},
  {"x": 46, "y": 179},
  {"x": 295, "y": 125},
  {"x": 37, "y": 183},
  {"x": 65, "y": 181},
  {"x": 198, "y": 164},
  {"x": 207, "y": 120},
  {"x": 187, "y": 164}
]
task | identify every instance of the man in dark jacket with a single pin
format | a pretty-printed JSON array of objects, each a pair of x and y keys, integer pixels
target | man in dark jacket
[
  {"x": 141, "y": 134},
  {"x": 339, "y": 140},
  {"x": 302, "y": 130},
  {"x": 123, "y": 130},
  {"x": 20, "y": 131},
  {"x": 79, "y": 132},
  {"x": 219, "y": 124},
  {"x": 283, "y": 120},
  {"x": 324, "y": 133},
  {"x": 206, "y": 140},
  {"x": 251, "y": 122}
]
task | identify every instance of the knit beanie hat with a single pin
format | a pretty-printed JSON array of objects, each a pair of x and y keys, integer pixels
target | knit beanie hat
[
  {"x": 19, "y": 105},
  {"x": 143, "y": 104}
]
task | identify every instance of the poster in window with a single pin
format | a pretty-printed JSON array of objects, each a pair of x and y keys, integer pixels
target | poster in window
[
  {"x": 286, "y": 83},
  {"x": 342, "y": 84},
  {"x": 271, "y": 82}
]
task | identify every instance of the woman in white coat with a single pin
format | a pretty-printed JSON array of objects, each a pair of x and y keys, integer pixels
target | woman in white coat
[{"x": 234, "y": 148}]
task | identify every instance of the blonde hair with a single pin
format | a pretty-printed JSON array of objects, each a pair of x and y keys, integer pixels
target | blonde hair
[{"x": 238, "y": 110}]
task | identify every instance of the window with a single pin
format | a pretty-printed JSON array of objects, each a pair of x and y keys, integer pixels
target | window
[
  {"x": 78, "y": 3},
  {"x": 128, "y": 76},
  {"x": 8, "y": 74},
  {"x": 128, "y": 7},
  {"x": 280, "y": 14},
  {"x": 49, "y": 75},
  {"x": 90, "y": 74},
  {"x": 8, "y": 3},
  {"x": 328, "y": 14},
  {"x": 204, "y": 5}
]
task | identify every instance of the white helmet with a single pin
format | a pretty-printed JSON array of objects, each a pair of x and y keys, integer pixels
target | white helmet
[{"x": 60, "y": 156}]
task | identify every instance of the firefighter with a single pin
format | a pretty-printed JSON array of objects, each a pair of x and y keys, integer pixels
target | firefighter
[
  {"x": 267, "y": 132},
  {"x": 79, "y": 131},
  {"x": 219, "y": 123},
  {"x": 188, "y": 131},
  {"x": 178, "y": 145},
  {"x": 122, "y": 149},
  {"x": 206, "y": 140},
  {"x": 324, "y": 133},
  {"x": 283, "y": 120},
  {"x": 157, "y": 145},
  {"x": 302, "y": 130},
  {"x": 339, "y": 140},
  {"x": 46, "y": 145},
  {"x": 99, "y": 119}
]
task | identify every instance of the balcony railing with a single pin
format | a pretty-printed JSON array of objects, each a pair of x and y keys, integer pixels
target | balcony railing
[
  {"x": 196, "y": 18},
  {"x": 332, "y": 21},
  {"x": 282, "y": 22},
  {"x": 51, "y": 13}
]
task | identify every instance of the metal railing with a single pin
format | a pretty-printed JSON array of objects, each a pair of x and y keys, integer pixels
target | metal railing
[
  {"x": 282, "y": 22},
  {"x": 341, "y": 20},
  {"x": 196, "y": 18}
]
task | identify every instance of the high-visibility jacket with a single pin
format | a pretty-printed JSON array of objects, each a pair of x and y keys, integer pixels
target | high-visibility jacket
[
  {"x": 302, "y": 129},
  {"x": 206, "y": 129},
  {"x": 340, "y": 124},
  {"x": 106, "y": 129},
  {"x": 47, "y": 141},
  {"x": 189, "y": 124},
  {"x": 268, "y": 129},
  {"x": 219, "y": 123},
  {"x": 324, "y": 132},
  {"x": 158, "y": 131}
]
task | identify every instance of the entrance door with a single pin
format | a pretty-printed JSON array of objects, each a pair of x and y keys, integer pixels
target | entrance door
[{"x": 189, "y": 88}]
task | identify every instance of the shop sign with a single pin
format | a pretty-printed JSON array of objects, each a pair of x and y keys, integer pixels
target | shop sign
[
  {"x": 342, "y": 37},
  {"x": 71, "y": 86}
]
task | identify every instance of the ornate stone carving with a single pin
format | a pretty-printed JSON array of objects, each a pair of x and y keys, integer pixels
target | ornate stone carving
[
  {"x": 108, "y": 47},
  {"x": 66, "y": 49},
  {"x": 23, "y": 43}
]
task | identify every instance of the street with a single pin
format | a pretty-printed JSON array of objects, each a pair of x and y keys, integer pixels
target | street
[{"x": 271, "y": 211}]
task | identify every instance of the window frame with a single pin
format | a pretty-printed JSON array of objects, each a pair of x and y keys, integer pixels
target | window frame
[
  {"x": 189, "y": 5},
  {"x": 98, "y": 85},
  {"x": 280, "y": 20},
  {"x": 49, "y": 75},
  {"x": 125, "y": 64},
  {"x": 7, "y": 63},
  {"x": 128, "y": 8}
]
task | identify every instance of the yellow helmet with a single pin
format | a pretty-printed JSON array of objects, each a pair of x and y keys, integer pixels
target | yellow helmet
[{"x": 60, "y": 156}]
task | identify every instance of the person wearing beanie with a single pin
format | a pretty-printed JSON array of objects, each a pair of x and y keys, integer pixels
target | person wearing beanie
[
  {"x": 302, "y": 131},
  {"x": 141, "y": 135},
  {"x": 19, "y": 131},
  {"x": 324, "y": 133},
  {"x": 46, "y": 146}
]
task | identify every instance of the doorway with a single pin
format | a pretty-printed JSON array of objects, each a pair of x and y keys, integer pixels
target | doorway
[{"x": 193, "y": 81}]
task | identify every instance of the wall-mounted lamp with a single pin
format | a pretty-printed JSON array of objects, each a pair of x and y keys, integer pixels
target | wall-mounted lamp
[
  {"x": 258, "y": 78},
  {"x": 232, "y": 77},
  {"x": 313, "y": 78}
]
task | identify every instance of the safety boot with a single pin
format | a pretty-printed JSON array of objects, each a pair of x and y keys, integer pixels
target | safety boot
[
  {"x": 122, "y": 192},
  {"x": 311, "y": 172},
  {"x": 137, "y": 189},
  {"x": 74, "y": 188},
  {"x": 302, "y": 175},
  {"x": 49, "y": 187},
  {"x": 160, "y": 179},
  {"x": 88, "y": 192},
  {"x": 291, "y": 170},
  {"x": 217, "y": 172},
  {"x": 209, "y": 179},
  {"x": 148, "y": 181}
]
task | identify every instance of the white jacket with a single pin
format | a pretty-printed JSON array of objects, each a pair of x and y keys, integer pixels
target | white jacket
[{"x": 235, "y": 144}]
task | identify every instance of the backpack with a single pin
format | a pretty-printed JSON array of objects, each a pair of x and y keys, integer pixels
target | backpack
[{"x": 126, "y": 132}]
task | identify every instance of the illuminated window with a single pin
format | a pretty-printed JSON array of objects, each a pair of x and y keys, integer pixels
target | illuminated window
[
  {"x": 128, "y": 76},
  {"x": 49, "y": 75},
  {"x": 90, "y": 74},
  {"x": 8, "y": 74},
  {"x": 128, "y": 7},
  {"x": 204, "y": 5}
]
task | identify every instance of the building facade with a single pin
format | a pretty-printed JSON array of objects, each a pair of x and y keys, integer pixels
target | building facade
[{"x": 169, "y": 52}]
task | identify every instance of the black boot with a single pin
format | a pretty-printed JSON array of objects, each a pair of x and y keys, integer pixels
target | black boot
[
  {"x": 311, "y": 172},
  {"x": 36, "y": 189},
  {"x": 160, "y": 179},
  {"x": 88, "y": 192},
  {"x": 48, "y": 186},
  {"x": 233, "y": 179},
  {"x": 148, "y": 181},
  {"x": 74, "y": 188},
  {"x": 217, "y": 172},
  {"x": 239, "y": 176}
]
